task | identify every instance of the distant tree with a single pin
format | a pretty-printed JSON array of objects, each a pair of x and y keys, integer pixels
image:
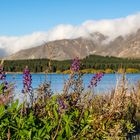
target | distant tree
[{"x": 53, "y": 68}]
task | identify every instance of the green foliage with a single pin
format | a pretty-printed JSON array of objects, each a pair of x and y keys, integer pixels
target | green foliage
[
  {"x": 130, "y": 70},
  {"x": 85, "y": 120},
  {"x": 91, "y": 62}
]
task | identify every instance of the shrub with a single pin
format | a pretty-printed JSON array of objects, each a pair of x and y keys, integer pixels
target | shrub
[
  {"x": 132, "y": 70},
  {"x": 109, "y": 71}
]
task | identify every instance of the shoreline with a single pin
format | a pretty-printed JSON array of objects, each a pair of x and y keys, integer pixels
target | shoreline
[{"x": 67, "y": 73}]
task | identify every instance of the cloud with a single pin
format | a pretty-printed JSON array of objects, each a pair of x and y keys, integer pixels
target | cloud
[
  {"x": 115, "y": 27},
  {"x": 109, "y": 27}
]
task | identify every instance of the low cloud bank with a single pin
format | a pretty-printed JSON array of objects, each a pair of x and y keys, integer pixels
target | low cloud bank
[{"x": 108, "y": 27}]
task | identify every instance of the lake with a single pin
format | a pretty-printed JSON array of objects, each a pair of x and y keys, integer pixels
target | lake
[{"x": 57, "y": 81}]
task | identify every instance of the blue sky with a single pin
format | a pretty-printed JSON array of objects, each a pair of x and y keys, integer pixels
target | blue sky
[{"x": 21, "y": 17}]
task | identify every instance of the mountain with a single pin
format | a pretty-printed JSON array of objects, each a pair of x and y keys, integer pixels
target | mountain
[
  {"x": 128, "y": 46},
  {"x": 96, "y": 43}
]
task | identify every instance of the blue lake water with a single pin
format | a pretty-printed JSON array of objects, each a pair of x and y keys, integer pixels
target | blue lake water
[{"x": 57, "y": 81}]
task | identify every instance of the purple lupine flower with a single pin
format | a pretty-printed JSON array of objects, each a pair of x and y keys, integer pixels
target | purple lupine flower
[
  {"x": 95, "y": 79},
  {"x": 27, "y": 81},
  {"x": 5, "y": 86},
  {"x": 3, "y": 79},
  {"x": 75, "y": 65},
  {"x": 62, "y": 105},
  {"x": 2, "y": 73},
  {"x": 6, "y": 90}
]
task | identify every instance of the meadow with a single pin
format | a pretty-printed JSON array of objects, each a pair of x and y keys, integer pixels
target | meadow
[{"x": 75, "y": 114}]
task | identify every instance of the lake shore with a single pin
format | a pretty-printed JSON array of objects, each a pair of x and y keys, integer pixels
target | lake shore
[{"x": 90, "y": 71}]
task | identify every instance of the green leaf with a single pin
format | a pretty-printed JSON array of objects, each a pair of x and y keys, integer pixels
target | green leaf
[
  {"x": 1, "y": 88},
  {"x": 68, "y": 131},
  {"x": 1, "y": 110},
  {"x": 14, "y": 105},
  {"x": 55, "y": 113}
]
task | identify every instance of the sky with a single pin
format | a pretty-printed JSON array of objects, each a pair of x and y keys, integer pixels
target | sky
[
  {"x": 28, "y": 23},
  {"x": 21, "y": 17}
]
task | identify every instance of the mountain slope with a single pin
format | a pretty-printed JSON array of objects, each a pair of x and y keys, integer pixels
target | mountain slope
[{"x": 128, "y": 46}]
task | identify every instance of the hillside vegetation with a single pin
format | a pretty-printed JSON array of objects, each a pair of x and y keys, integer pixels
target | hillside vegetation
[{"x": 89, "y": 64}]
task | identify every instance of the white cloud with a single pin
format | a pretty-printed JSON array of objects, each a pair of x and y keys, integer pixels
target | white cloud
[
  {"x": 111, "y": 28},
  {"x": 115, "y": 27}
]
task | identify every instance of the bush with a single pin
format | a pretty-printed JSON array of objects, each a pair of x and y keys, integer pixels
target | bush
[
  {"x": 131, "y": 70},
  {"x": 109, "y": 71}
]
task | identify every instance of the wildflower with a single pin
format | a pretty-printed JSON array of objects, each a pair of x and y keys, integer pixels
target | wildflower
[
  {"x": 2, "y": 73},
  {"x": 62, "y": 105},
  {"x": 27, "y": 81},
  {"x": 4, "y": 83},
  {"x": 6, "y": 88},
  {"x": 75, "y": 81},
  {"x": 75, "y": 65},
  {"x": 95, "y": 79}
]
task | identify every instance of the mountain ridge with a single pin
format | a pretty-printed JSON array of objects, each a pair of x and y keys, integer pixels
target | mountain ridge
[{"x": 96, "y": 43}]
